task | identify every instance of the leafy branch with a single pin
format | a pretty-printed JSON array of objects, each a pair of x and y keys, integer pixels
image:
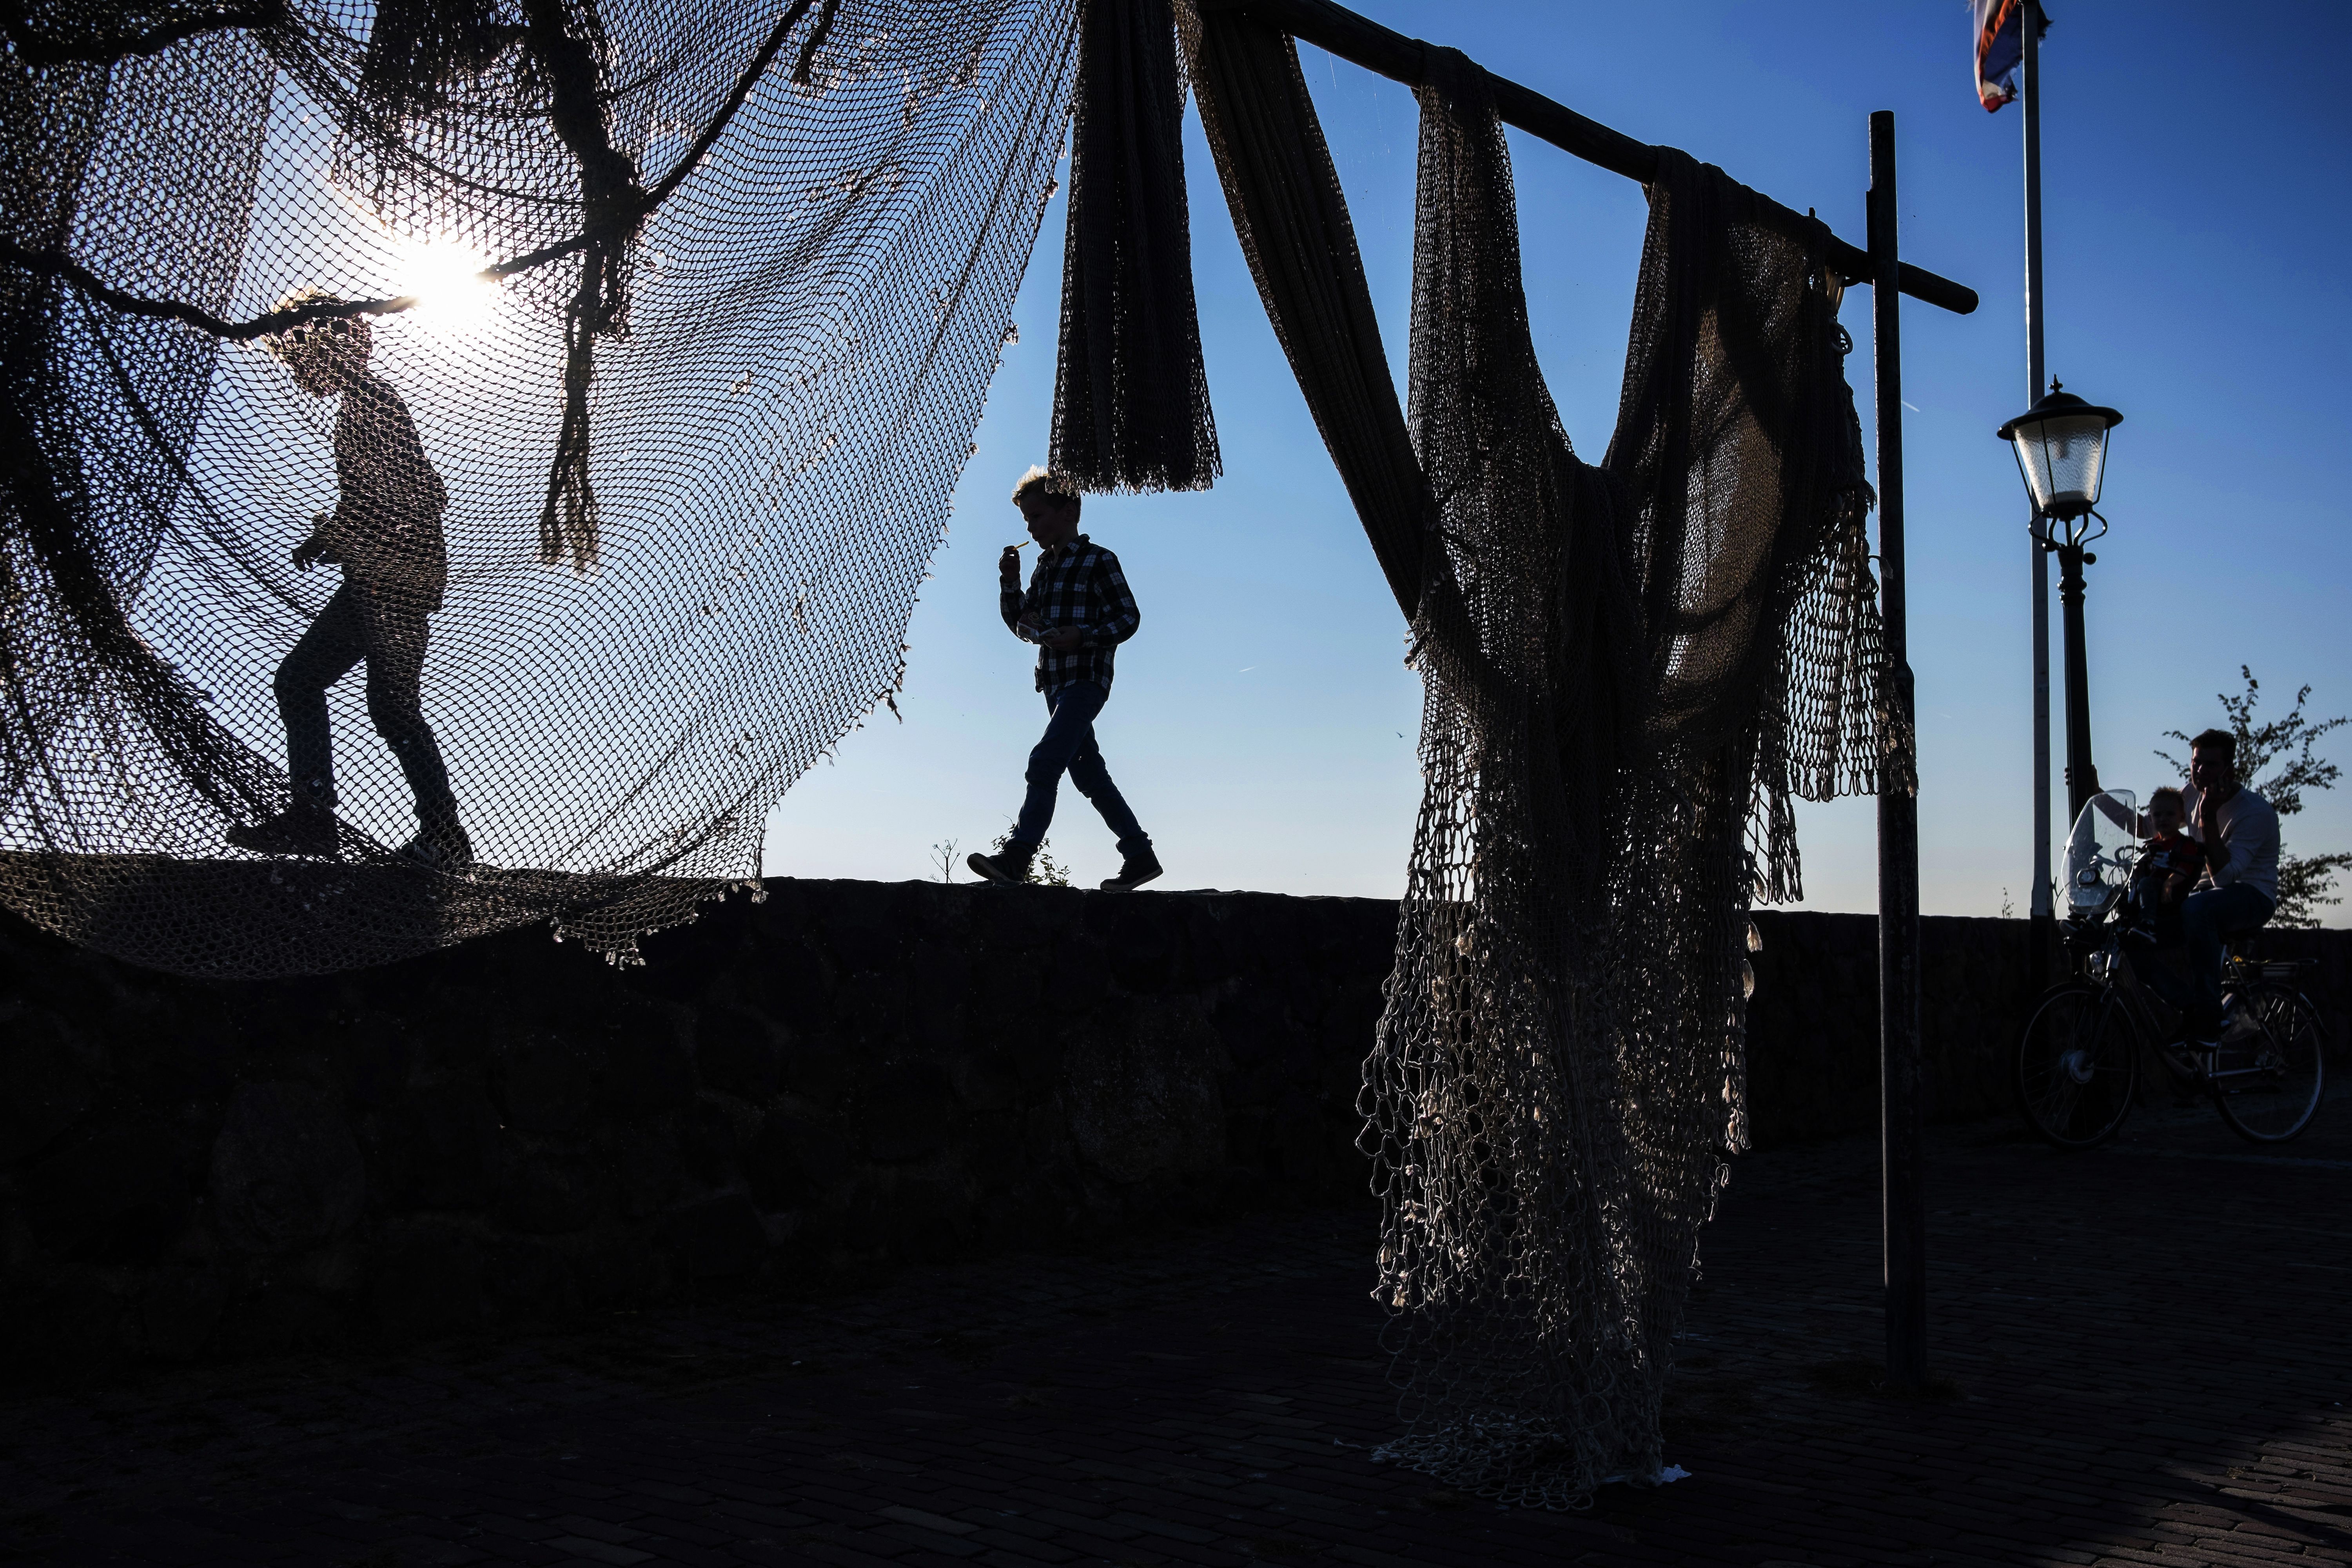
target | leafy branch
[{"x": 2304, "y": 881}]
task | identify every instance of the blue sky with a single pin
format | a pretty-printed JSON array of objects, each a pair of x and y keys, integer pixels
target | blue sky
[{"x": 1263, "y": 724}]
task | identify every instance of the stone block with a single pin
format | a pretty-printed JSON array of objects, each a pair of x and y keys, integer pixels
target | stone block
[
  {"x": 48, "y": 1078},
  {"x": 548, "y": 1189},
  {"x": 992, "y": 1150},
  {"x": 1018, "y": 921},
  {"x": 707, "y": 1144},
  {"x": 647, "y": 1170},
  {"x": 1303, "y": 1148},
  {"x": 909, "y": 1114},
  {"x": 873, "y": 1014},
  {"x": 794, "y": 981},
  {"x": 118, "y": 1189},
  {"x": 1076, "y": 981},
  {"x": 174, "y": 1049},
  {"x": 1254, "y": 1027},
  {"x": 740, "y": 1052},
  {"x": 428, "y": 1280},
  {"x": 442, "y": 1148},
  {"x": 275, "y": 1314},
  {"x": 818, "y": 1068},
  {"x": 286, "y": 1171},
  {"x": 617, "y": 1267},
  {"x": 1354, "y": 1012},
  {"x": 180, "y": 1310},
  {"x": 531, "y": 1284},
  {"x": 548, "y": 1081},
  {"x": 867, "y": 932},
  {"x": 1140, "y": 944},
  {"x": 648, "y": 1071},
  {"x": 62, "y": 1330},
  {"x": 940, "y": 972},
  {"x": 1141, "y": 1094},
  {"x": 378, "y": 1060},
  {"x": 984, "y": 1082},
  {"x": 716, "y": 1238},
  {"x": 937, "y": 1017},
  {"x": 793, "y": 1161},
  {"x": 926, "y": 1219}
]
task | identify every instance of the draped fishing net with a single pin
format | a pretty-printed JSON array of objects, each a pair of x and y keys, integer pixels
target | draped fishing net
[
  {"x": 1130, "y": 392},
  {"x": 629, "y": 537},
  {"x": 625, "y": 539},
  {"x": 1628, "y": 670}
]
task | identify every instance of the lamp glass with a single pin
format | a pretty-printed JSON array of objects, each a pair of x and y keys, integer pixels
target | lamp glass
[{"x": 2062, "y": 459}]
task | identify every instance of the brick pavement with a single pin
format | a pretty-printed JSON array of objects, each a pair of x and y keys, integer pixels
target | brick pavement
[{"x": 2147, "y": 1351}]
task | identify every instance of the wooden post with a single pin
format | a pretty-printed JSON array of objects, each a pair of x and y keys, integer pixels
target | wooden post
[
  {"x": 1335, "y": 29},
  {"x": 1904, "y": 1205}
]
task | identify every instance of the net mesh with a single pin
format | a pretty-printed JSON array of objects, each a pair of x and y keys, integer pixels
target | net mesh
[
  {"x": 624, "y": 540},
  {"x": 1628, "y": 670}
]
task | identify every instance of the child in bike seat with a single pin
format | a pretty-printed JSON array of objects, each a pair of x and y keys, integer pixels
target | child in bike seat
[{"x": 2169, "y": 864}]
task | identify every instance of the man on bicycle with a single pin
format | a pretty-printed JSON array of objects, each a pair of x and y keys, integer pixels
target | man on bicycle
[{"x": 2238, "y": 834}]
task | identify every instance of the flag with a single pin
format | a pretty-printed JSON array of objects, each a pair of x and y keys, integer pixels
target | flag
[{"x": 2000, "y": 49}]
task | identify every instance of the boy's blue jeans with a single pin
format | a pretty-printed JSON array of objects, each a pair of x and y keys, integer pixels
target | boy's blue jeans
[{"x": 1069, "y": 746}]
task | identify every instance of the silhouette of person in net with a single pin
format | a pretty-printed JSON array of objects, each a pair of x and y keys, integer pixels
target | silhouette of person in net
[{"x": 385, "y": 533}]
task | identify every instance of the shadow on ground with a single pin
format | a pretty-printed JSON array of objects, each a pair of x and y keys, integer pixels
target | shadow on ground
[{"x": 2142, "y": 1358}]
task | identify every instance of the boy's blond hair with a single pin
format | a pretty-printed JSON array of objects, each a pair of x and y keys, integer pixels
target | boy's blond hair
[
  {"x": 1045, "y": 481},
  {"x": 2171, "y": 793}
]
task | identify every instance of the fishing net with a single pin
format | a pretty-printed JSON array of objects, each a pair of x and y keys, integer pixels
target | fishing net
[
  {"x": 625, "y": 539},
  {"x": 1130, "y": 392},
  {"x": 628, "y": 538},
  {"x": 1629, "y": 668}
]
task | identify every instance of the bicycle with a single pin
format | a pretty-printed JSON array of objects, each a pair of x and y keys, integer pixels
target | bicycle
[{"x": 2078, "y": 1063}]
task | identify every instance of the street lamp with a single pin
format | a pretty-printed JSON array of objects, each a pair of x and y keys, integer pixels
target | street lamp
[{"x": 2061, "y": 453}]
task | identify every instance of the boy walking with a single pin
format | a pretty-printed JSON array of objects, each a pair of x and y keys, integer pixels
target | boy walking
[
  {"x": 386, "y": 535},
  {"x": 1077, "y": 610}
]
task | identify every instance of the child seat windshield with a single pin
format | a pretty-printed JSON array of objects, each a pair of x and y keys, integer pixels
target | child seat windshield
[{"x": 2101, "y": 851}]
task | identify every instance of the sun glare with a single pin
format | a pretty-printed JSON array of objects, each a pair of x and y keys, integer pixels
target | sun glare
[{"x": 445, "y": 278}]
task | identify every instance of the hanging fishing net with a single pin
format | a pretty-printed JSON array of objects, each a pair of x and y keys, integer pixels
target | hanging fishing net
[
  {"x": 611, "y": 548},
  {"x": 1629, "y": 668},
  {"x": 627, "y": 537}
]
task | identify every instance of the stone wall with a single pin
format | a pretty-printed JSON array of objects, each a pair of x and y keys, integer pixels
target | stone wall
[
  {"x": 845, "y": 1076},
  {"x": 511, "y": 1132},
  {"x": 1812, "y": 1025}
]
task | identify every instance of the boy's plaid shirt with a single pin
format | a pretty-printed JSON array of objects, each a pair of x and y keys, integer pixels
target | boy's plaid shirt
[{"x": 1075, "y": 585}]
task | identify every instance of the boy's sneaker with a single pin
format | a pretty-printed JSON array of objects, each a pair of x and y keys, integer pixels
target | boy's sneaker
[
  {"x": 445, "y": 849},
  {"x": 1134, "y": 871},
  {"x": 1009, "y": 867},
  {"x": 298, "y": 830}
]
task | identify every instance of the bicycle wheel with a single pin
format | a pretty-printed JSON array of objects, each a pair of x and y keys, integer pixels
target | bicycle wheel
[
  {"x": 2268, "y": 1085},
  {"x": 2076, "y": 1066}
]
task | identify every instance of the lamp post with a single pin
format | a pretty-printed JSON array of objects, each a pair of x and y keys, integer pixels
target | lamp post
[{"x": 2061, "y": 453}]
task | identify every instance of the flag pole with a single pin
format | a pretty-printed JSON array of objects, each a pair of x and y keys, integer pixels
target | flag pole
[{"x": 2029, "y": 26}]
